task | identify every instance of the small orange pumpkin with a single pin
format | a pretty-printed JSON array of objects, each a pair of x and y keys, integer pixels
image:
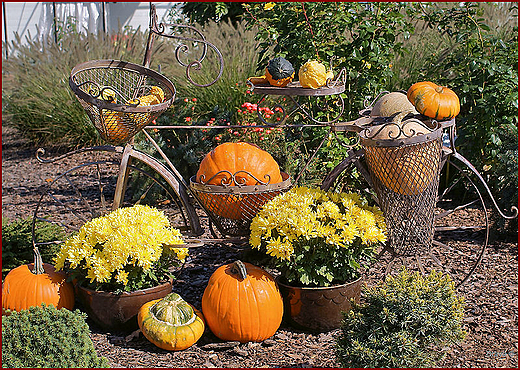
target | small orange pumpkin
[
  {"x": 434, "y": 101},
  {"x": 247, "y": 162},
  {"x": 242, "y": 303},
  {"x": 36, "y": 283}
]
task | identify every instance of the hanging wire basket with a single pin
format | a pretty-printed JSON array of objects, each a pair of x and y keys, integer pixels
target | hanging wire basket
[
  {"x": 233, "y": 207},
  {"x": 405, "y": 176},
  {"x": 119, "y": 96}
]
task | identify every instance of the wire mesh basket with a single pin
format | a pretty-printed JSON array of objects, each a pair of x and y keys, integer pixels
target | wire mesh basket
[
  {"x": 232, "y": 208},
  {"x": 120, "y": 98},
  {"x": 405, "y": 177}
]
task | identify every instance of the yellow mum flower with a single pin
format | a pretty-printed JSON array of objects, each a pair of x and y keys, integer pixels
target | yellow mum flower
[
  {"x": 132, "y": 236},
  {"x": 269, "y": 6},
  {"x": 305, "y": 225},
  {"x": 122, "y": 277}
]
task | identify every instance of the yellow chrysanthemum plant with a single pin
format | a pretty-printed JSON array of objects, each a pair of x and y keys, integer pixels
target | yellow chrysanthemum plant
[
  {"x": 318, "y": 238},
  {"x": 128, "y": 249}
]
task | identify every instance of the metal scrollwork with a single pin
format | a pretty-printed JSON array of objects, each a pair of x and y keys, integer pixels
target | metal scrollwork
[
  {"x": 232, "y": 179},
  {"x": 368, "y": 103},
  {"x": 160, "y": 29},
  {"x": 398, "y": 129},
  {"x": 340, "y": 79}
]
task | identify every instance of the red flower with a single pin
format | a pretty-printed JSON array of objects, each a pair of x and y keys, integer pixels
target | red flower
[
  {"x": 194, "y": 99},
  {"x": 187, "y": 119},
  {"x": 185, "y": 100}
]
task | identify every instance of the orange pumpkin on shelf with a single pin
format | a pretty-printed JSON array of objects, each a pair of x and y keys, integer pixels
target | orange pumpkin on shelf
[
  {"x": 235, "y": 164},
  {"x": 242, "y": 303},
  {"x": 434, "y": 101},
  {"x": 36, "y": 283}
]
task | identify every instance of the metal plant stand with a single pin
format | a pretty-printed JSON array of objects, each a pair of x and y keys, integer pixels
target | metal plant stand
[{"x": 401, "y": 170}]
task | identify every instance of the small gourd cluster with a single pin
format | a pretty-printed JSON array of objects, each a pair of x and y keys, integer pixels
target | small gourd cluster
[{"x": 280, "y": 72}]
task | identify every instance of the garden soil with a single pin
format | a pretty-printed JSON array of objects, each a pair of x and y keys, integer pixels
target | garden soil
[{"x": 491, "y": 296}]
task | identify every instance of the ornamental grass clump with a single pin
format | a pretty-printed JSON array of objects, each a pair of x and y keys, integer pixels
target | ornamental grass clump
[
  {"x": 318, "y": 238},
  {"x": 128, "y": 249},
  {"x": 46, "y": 337},
  {"x": 408, "y": 320}
]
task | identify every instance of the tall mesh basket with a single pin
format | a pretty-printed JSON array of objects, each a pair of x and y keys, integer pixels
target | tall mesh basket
[{"x": 405, "y": 176}]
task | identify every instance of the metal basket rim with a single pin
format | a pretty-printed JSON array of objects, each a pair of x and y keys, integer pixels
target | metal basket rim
[
  {"x": 118, "y": 64},
  {"x": 247, "y": 189},
  {"x": 398, "y": 142}
]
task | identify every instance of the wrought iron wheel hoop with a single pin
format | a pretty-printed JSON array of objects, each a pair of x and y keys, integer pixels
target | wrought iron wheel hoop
[
  {"x": 457, "y": 249},
  {"x": 87, "y": 190}
]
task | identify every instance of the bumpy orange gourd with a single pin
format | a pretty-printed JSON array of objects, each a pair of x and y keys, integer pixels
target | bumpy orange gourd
[
  {"x": 434, "y": 101},
  {"x": 242, "y": 303},
  {"x": 116, "y": 131},
  {"x": 237, "y": 159},
  {"x": 171, "y": 323},
  {"x": 36, "y": 283}
]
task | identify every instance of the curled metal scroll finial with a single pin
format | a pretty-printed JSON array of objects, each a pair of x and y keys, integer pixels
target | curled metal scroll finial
[
  {"x": 340, "y": 79},
  {"x": 160, "y": 29},
  {"x": 368, "y": 103}
]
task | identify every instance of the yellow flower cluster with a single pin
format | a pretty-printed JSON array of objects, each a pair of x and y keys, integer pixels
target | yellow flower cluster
[
  {"x": 132, "y": 236},
  {"x": 336, "y": 219}
]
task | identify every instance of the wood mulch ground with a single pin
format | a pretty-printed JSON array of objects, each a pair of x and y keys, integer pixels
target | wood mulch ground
[{"x": 491, "y": 295}]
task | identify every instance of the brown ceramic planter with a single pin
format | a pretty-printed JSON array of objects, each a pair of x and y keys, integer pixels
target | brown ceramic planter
[
  {"x": 118, "y": 311},
  {"x": 318, "y": 309}
]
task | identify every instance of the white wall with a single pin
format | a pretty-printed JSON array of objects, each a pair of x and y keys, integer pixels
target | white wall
[{"x": 27, "y": 18}]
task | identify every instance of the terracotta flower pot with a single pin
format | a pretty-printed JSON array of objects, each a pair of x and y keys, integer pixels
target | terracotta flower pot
[
  {"x": 118, "y": 311},
  {"x": 318, "y": 309}
]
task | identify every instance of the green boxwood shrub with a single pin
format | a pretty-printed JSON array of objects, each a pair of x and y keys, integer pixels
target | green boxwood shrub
[
  {"x": 47, "y": 337},
  {"x": 404, "y": 321}
]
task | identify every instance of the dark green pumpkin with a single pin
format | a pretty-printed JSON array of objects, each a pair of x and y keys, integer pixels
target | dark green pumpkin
[
  {"x": 280, "y": 68},
  {"x": 279, "y": 71}
]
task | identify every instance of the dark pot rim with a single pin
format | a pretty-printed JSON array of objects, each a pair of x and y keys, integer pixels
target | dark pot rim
[
  {"x": 123, "y": 294},
  {"x": 285, "y": 285}
]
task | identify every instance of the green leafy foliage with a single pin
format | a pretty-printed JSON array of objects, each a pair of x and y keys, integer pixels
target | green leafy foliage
[
  {"x": 17, "y": 247},
  {"x": 204, "y": 12},
  {"x": 481, "y": 65},
  {"x": 405, "y": 321},
  {"x": 360, "y": 37},
  {"x": 46, "y": 337}
]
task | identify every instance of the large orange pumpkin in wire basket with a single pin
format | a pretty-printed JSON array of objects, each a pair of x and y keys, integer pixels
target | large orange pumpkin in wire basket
[{"x": 235, "y": 164}]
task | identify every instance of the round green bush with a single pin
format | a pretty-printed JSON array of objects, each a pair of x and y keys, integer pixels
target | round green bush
[
  {"x": 405, "y": 321},
  {"x": 46, "y": 337}
]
